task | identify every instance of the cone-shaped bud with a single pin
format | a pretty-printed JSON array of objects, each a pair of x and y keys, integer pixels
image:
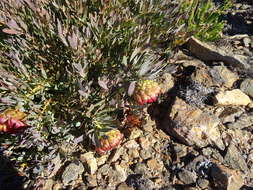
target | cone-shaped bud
[
  {"x": 110, "y": 140},
  {"x": 146, "y": 91}
]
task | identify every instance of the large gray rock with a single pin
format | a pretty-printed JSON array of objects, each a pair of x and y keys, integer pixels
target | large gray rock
[
  {"x": 187, "y": 177},
  {"x": 208, "y": 52},
  {"x": 72, "y": 171},
  {"x": 192, "y": 126}
]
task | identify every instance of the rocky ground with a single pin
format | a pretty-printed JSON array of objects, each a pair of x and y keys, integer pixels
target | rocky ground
[{"x": 200, "y": 135}]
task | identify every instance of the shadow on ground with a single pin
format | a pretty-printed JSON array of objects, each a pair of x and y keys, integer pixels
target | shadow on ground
[{"x": 9, "y": 176}]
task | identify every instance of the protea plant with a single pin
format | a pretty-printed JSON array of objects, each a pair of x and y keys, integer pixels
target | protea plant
[
  {"x": 108, "y": 141},
  {"x": 146, "y": 91},
  {"x": 105, "y": 135},
  {"x": 11, "y": 121}
]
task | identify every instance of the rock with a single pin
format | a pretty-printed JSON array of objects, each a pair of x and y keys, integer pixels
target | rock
[
  {"x": 192, "y": 126},
  {"x": 232, "y": 97},
  {"x": 146, "y": 154},
  {"x": 194, "y": 93},
  {"x": 131, "y": 144},
  {"x": 180, "y": 150},
  {"x": 235, "y": 159},
  {"x": 202, "y": 76},
  {"x": 156, "y": 165},
  {"x": 90, "y": 161},
  {"x": 102, "y": 159},
  {"x": 202, "y": 183},
  {"x": 121, "y": 173},
  {"x": 57, "y": 186},
  {"x": 247, "y": 87},
  {"x": 118, "y": 175},
  {"x": 212, "y": 153},
  {"x": 246, "y": 42},
  {"x": 229, "y": 114},
  {"x": 187, "y": 177},
  {"x": 139, "y": 182},
  {"x": 91, "y": 180},
  {"x": 104, "y": 169},
  {"x": 141, "y": 168},
  {"x": 71, "y": 172},
  {"x": 207, "y": 52},
  {"x": 197, "y": 164},
  {"x": 245, "y": 121},
  {"x": 225, "y": 178},
  {"x": 49, "y": 184},
  {"x": 226, "y": 77},
  {"x": 144, "y": 142},
  {"x": 166, "y": 82},
  {"x": 124, "y": 186},
  {"x": 133, "y": 153},
  {"x": 134, "y": 133},
  {"x": 116, "y": 154}
]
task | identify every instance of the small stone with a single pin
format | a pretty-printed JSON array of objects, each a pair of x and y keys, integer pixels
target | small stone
[
  {"x": 145, "y": 154},
  {"x": 247, "y": 87},
  {"x": 124, "y": 186},
  {"x": 131, "y": 144},
  {"x": 212, "y": 153},
  {"x": 158, "y": 182},
  {"x": 187, "y": 177},
  {"x": 246, "y": 42},
  {"x": 233, "y": 97},
  {"x": 71, "y": 172},
  {"x": 102, "y": 159},
  {"x": 133, "y": 153},
  {"x": 118, "y": 175},
  {"x": 202, "y": 183},
  {"x": 144, "y": 142},
  {"x": 235, "y": 159},
  {"x": 225, "y": 178},
  {"x": 91, "y": 180},
  {"x": 166, "y": 82},
  {"x": 104, "y": 169},
  {"x": 57, "y": 186},
  {"x": 227, "y": 76},
  {"x": 49, "y": 184},
  {"x": 229, "y": 114},
  {"x": 194, "y": 164},
  {"x": 202, "y": 76},
  {"x": 156, "y": 165},
  {"x": 121, "y": 171},
  {"x": 91, "y": 162},
  {"x": 244, "y": 121},
  {"x": 141, "y": 168},
  {"x": 181, "y": 150},
  {"x": 116, "y": 154},
  {"x": 134, "y": 133}
]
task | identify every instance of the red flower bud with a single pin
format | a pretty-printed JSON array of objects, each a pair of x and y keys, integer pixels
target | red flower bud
[{"x": 109, "y": 141}]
